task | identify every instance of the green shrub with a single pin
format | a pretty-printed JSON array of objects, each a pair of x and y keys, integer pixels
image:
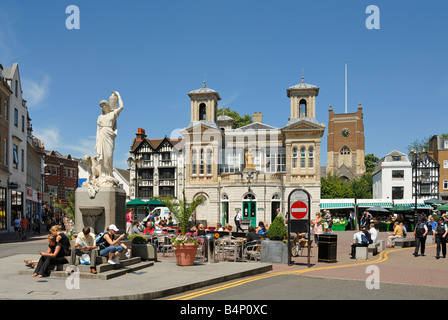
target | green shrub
[
  {"x": 277, "y": 229},
  {"x": 137, "y": 238}
]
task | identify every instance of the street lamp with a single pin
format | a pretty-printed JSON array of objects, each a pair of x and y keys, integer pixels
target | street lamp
[{"x": 136, "y": 162}]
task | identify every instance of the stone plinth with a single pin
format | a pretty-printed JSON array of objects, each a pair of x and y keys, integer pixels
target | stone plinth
[{"x": 107, "y": 207}]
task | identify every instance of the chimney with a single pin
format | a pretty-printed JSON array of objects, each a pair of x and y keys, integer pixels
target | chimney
[
  {"x": 140, "y": 135},
  {"x": 257, "y": 117}
]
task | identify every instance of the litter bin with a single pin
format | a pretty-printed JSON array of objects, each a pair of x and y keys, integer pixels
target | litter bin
[
  {"x": 210, "y": 247},
  {"x": 327, "y": 247}
]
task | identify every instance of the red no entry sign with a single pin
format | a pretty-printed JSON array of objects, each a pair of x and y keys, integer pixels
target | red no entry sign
[{"x": 299, "y": 210}]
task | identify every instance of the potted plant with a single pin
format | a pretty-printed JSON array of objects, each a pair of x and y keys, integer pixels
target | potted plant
[
  {"x": 275, "y": 249},
  {"x": 141, "y": 248},
  {"x": 186, "y": 244}
]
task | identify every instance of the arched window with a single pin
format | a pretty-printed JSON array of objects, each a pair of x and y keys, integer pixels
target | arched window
[
  {"x": 295, "y": 158},
  {"x": 303, "y": 108},
  {"x": 310, "y": 157},
  {"x": 302, "y": 158},
  {"x": 201, "y": 162},
  {"x": 209, "y": 160},
  {"x": 202, "y": 111},
  {"x": 194, "y": 161},
  {"x": 345, "y": 150}
]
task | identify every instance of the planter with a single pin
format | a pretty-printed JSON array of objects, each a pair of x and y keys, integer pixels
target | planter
[
  {"x": 146, "y": 251},
  {"x": 186, "y": 253},
  {"x": 275, "y": 251}
]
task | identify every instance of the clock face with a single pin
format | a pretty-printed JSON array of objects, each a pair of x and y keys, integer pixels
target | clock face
[{"x": 345, "y": 132}]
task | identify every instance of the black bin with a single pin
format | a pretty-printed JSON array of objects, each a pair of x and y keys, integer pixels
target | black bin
[{"x": 328, "y": 247}]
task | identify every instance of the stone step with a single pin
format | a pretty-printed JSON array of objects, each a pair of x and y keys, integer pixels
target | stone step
[{"x": 105, "y": 271}]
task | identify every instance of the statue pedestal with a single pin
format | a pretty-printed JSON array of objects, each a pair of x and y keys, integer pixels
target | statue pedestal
[{"x": 106, "y": 208}]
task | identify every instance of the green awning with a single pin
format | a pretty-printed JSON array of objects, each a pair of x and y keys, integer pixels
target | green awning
[
  {"x": 375, "y": 204},
  {"x": 338, "y": 205}
]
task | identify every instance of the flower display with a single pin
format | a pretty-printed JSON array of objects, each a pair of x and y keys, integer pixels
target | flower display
[{"x": 188, "y": 237}]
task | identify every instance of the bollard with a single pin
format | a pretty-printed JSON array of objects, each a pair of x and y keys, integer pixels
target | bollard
[{"x": 210, "y": 248}]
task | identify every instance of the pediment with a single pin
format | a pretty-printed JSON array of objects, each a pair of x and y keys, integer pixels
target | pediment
[
  {"x": 304, "y": 124},
  {"x": 257, "y": 126}
]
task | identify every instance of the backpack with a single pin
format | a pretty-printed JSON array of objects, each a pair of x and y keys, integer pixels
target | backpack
[
  {"x": 364, "y": 239},
  {"x": 404, "y": 232},
  {"x": 100, "y": 239}
]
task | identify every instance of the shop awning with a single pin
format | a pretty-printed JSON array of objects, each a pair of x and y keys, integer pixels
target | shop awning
[
  {"x": 338, "y": 204},
  {"x": 419, "y": 205},
  {"x": 364, "y": 204}
]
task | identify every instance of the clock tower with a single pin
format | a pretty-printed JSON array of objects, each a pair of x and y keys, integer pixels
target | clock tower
[{"x": 345, "y": 144}]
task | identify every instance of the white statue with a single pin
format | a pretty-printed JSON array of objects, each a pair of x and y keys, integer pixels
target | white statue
[
  {"x": 101, "y": 166},
  {"x": 106, "y": 133}
]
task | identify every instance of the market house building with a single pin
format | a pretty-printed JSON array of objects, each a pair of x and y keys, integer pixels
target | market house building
[{"x": 253, "y": 168}]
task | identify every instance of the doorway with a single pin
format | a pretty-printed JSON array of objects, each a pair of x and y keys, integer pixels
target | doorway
[{"x": 250, "y": 209}]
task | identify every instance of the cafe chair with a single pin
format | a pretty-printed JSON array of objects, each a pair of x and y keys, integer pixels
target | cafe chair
[
  {"x": 252, "y": 249},
  {"x": 167, "y": 246}
]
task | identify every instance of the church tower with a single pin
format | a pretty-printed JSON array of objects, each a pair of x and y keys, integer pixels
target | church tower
[{"x": 346, "y": 144}]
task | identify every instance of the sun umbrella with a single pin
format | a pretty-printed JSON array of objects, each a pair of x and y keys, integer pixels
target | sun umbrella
[
  {"x": 401, "y": 209},
  {"x": 433, "y": 201},
  {"x": 377, "y": 209},
  {"x": 443, "y": 207},
  {"x": 155, "y": 202},
  {"x": 136, "y": 203}
]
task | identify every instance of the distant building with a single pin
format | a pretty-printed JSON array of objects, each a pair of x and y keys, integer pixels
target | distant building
[
  {"x": 60, "y": 177},
  {"x": 346, "y": 144},
  {"x": 159, "y": 170},
  {"x": 5, "y": 93},
  {"x": 438, "y": 149},
  {"x": 16, "y": 143},
  {"x": 392, "y": 177}
]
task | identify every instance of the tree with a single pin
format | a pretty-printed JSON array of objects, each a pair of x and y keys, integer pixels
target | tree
[
  {"x": 370, "y": 161},
  {"x": 68, "y": 207},
  {"x": 362, "y": 187},
  {"x": 332, "y": 187},
  {"x": 239, "y": 121},
  {"x": 181, "y": 209}
]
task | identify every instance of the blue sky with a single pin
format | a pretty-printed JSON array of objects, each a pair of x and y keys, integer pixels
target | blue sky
[{"x": 155, "y": 52}]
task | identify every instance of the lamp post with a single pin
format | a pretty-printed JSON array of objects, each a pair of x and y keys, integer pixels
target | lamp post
[
  {"x": 136, "y": 162},
  {"x": 415, "y": 158}
]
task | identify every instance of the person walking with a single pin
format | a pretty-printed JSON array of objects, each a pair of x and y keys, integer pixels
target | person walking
[
  {"x": 420, "y": 232},
  {"x": 440, "y": 235},
  {"x": 129, "y": 220},
  {"x": 317, "y": 227},
  {"x": 238, "y": 220}
]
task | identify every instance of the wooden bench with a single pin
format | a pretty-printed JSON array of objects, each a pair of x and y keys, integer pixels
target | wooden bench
[
  {"x": 404, "y": 242},
  {"x": 373, "y": 248}
]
